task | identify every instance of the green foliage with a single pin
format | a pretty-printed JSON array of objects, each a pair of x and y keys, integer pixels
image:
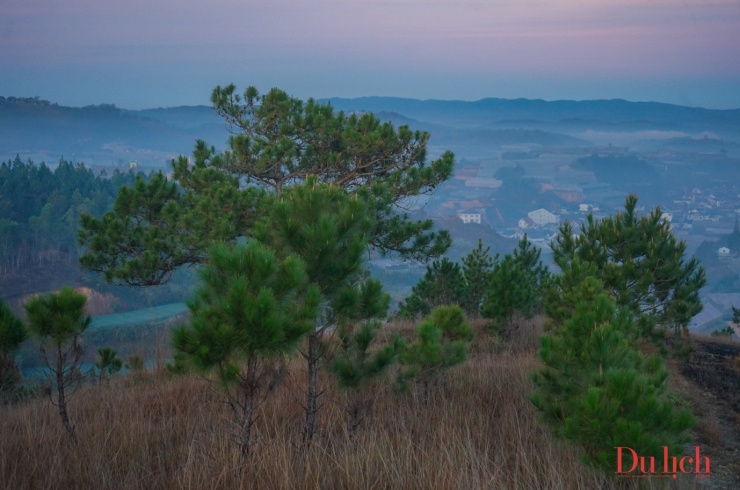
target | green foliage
[
  {"x": 353, "y": 365},
  {"x": 108, "y": 362},
  {"x": 156, "y": 226},
  {"x": 250, "y": 305},
  {"x": 735, "y": 315},
  {"x": 442, "y": 341},
  {"x": 512, "y": 293},
  {"x": 12, "y": 334},
  {"x": 361, "y": 302},
  {"x": 451, "y": 320},
  {"x": 442, "y": 284},
  {"x": 40, "y": 209},
  {"x": 179, "y": 364},
  {"x": 598, "y": 390},
  {"x": 135, "y": 364},
  {"x": 639, "y": 261},
  {"x": 278, "y": 142},
  {"x": 12, "y": 331},
  {"x": 250, "y": 310},
  {"x": 567, "y": 290},
  {"x": 58, "y": 320},
  {"x": 528, "y": 258},
  {"x": 356, "y": 368},
  {"x": 329, "y": 229},
  {"x": 326, "y": 227},
  {"x": 281, "y": 140},
  {"x": 725, "y": 332},
  {"x": 477, "y": 268},
  {"x": 516, "y": 287}
]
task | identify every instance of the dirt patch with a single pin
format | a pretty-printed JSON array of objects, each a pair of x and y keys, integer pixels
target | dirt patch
[{"x": 713, "y": 376}]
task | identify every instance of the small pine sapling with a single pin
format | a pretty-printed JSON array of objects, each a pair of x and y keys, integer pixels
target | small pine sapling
[
  {"x": 442, "y": 342},
  {"x": 357, "y": 370},
  {"x": 354, "y": 364},
  {"x": 108, "y": 362},
  {"x": 598, "y": 390},
  {"x": 477, "y": 268},
  {"x": 57, "y": 321},
  {"x": 249, "y": 312},
  {"x": 135, "y": 364}
]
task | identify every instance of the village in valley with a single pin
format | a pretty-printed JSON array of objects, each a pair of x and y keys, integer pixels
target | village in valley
[{"x": 526, "y": 189}]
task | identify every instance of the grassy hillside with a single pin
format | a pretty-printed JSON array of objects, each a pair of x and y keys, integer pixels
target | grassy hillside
[{"x": 478, "y": 430}]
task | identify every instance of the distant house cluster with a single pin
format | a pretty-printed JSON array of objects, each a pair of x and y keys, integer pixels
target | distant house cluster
[{"x": 539, "y": 218}]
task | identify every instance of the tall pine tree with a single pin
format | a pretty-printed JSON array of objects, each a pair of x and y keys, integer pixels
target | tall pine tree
[
  {"x": 329, "y": 230},
  {"x": 278, "y": 141},
  {"x": 640, "y": 262}
]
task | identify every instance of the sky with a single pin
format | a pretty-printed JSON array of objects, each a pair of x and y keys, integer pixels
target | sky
[{"x": 160, "y": 53}]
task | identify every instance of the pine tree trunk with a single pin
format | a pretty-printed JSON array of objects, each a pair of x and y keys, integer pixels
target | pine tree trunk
[
  {"x": 355, "y": 412},
  {"x": 312, "y": 393},
  {"x": 250, "y": 387},
  {"x": 247, "y": 422},
  {"x": 61, "y": 399}
]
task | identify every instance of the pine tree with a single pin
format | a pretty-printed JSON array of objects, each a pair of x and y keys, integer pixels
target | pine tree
[
  {"x": 442, "y": 284},
  {"x": 356, "y": 367},
  {"x": 108, "y": 362},
  {"x": 528, "y": 258},
  {"x": 329, "y": 230},
  {"x": 441, "y": 342},
  {"x": 250, "y": 310},
  {"x": 512, "y": 295},
  {"x": 598, "y": 390},
  {"x": 58, "y": 320},
  {"x": 12, "y": 334},
  {"x": 477, "y": 268},
  {"x": 354, "y": 364},
  {"x": 157, "y": 226},
  {"x": 278, "y": 141},
  {"x": 639, "y": 261}
]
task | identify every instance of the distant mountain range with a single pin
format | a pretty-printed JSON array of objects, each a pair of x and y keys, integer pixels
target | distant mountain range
[
  {"x": 107, "y": 135},
  {"x": 103, "y": 134},
  {"x": 495, "y": 112}
]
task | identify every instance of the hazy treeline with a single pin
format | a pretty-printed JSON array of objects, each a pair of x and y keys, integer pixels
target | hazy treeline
[{"x": 40, "y": 209}]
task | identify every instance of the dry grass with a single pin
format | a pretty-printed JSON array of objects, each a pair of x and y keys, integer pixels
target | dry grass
[{"x": 478, "y": 431}]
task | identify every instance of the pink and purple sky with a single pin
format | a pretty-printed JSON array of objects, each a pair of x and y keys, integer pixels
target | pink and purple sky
[{"x": 159, "y": 53}]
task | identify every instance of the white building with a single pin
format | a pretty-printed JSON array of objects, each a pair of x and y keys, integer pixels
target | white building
[
  {"x": 469, "y": 216},
  {"x": 543, "y": 217}
]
